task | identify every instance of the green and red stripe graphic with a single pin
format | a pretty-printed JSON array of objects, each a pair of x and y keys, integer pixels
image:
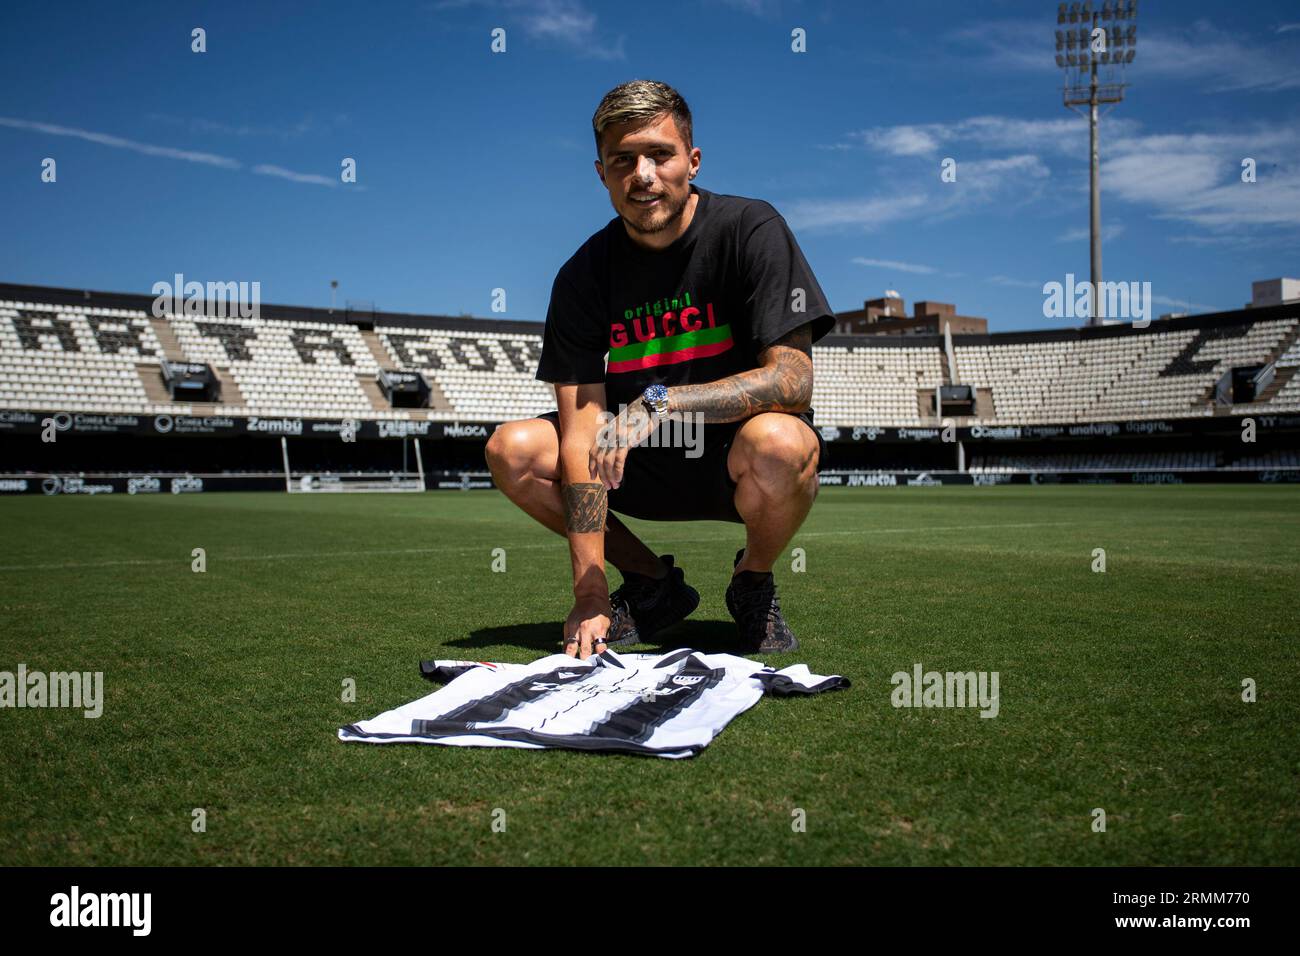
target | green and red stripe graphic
[{"x": 671, "y": 349}]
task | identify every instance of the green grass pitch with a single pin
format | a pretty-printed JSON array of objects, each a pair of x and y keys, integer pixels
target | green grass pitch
[{"x": 1120, "y": 690}]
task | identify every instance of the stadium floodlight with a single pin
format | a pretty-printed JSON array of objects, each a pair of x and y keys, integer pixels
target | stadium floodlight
[
  {"x": 1060, "y": 40},
  {"x": 1085, "y": 88}
]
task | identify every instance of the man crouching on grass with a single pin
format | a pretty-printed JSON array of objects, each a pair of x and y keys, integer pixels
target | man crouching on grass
[{"x": 708, "y": 311}]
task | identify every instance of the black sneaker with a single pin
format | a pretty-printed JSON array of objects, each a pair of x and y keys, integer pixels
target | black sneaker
[
  {"x": 643, "y": 605},
  {"x": 752, "y": 601}
]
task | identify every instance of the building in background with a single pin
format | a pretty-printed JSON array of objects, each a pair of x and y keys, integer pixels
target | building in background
[
  {"x": 888, "y": 316},
  {"x": 1273, "y": 292}
]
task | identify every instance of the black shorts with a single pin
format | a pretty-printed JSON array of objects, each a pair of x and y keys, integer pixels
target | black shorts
[{"x": 662, "y": 484}]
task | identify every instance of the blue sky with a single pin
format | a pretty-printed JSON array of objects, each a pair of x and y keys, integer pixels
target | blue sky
[{"x": 475, "y": 169}]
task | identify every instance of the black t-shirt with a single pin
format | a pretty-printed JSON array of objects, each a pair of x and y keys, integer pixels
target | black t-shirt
[{"x": 700, "y": 310}]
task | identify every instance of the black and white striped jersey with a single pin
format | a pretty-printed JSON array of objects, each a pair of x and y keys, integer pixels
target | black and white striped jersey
[{"x": 662, "y": 705}]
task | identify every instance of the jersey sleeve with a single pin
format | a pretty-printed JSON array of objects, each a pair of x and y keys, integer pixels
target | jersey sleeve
[
  {"x": 575, "y": 338},
  {"x": 797, "y": 679},
  {"x": 774, "y": 269}
]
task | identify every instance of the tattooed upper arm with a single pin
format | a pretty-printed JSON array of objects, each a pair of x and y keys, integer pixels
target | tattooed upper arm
[
  {"x": 790, "y": 358},
  {"x": 783, "y": 382},
  {"x": 800, "y": 338}
]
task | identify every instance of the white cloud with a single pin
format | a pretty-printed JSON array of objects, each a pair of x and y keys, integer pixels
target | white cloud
[
  {"x": 1108, "y": 232},
  {"x": 1198, "y": 52},
  {"x": 1237, "y": 240},
  {"x": 992, "y": 174},
  {"x": 1024, "y": 44},
  {"x": 869, "y": 213},
  {"x": 1196, "y": 177},
  {"x": 1013, "y": 283},
  {"x": 1202, "y": 53},
  {"x": 204, "y": 127},
  {"x": 118, "y": 142},
  {"x": 1184, "y": 304},
  {"x": 289, "y": 174},
  {"x": 567, "y": 23},
  {"x": 165, "y": 152},
  {"x": 894, "y": 266},
  {"x": 1067, "y": 135},
  {"x": 757, "y": 8},
  {"x": 901, "y": 140},
  {"x": 1009, "y": 180}
]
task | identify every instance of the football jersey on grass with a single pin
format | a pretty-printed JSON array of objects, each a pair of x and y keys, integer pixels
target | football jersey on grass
[{"x": 662, "y": 705}]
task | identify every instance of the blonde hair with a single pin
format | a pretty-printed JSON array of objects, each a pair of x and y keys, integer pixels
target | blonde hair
[{"x": 641, "y": 100}]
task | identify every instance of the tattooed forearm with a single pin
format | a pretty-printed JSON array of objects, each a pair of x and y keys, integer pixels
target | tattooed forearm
[
  {"x": 783, "y": 384},
  {"x": 585, "y": 504}
]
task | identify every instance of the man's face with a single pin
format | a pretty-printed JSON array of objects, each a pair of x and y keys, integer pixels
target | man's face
[{"x": 647, "y": 160}]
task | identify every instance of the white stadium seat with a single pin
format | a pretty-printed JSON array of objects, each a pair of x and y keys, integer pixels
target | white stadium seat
[{"x": 58, "y": 357}]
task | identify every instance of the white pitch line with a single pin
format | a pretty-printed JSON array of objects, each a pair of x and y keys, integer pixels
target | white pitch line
[
  {"x": 308, "y": 555},
  {"x": 955, "y": 527}
]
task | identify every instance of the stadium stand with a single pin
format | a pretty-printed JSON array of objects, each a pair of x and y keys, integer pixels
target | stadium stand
[
  {"x": 414, "y": 398},
  {"x": 1163, "y": 374},
  {"x": 65, "y": 357},
  {"x": 1275, "y": 459},
  {"x": 487, "y": 375},
  {"x": 1287, "y": 397},
  {"x": 1131, "y": 461},
  {"x": 93, "y": 358},
  {"x": 283, "y": 368},
  {"x": 857, "y": 385}
]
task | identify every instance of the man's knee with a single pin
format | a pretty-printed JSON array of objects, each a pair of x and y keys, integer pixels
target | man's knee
[
  {"x": 778, "y": 447},
  {"x": 512, "y": 450}
]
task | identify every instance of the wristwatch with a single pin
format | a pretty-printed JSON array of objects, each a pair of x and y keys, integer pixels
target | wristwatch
[{"x": 656, "y": 399}]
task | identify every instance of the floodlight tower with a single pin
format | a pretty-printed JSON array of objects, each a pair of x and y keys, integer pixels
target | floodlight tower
[{"x": 1099, "y": 38}]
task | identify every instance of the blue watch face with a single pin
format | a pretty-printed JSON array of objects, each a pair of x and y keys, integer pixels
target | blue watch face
[{"x": 656, "y": 394}]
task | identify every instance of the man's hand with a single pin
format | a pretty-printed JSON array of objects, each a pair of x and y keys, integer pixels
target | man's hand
[
  {"x": 625, "y": 431},
  {"x": 587, "y": 627}
]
